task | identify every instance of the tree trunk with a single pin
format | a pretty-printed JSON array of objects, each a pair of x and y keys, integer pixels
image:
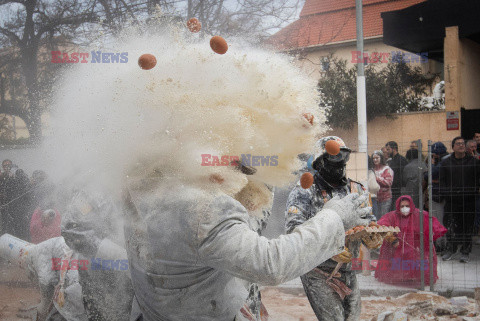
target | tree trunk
[{"x": 30, "y": 72}]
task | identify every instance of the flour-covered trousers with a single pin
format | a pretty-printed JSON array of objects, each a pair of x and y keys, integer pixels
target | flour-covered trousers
[{"x": 326, "y": 303}]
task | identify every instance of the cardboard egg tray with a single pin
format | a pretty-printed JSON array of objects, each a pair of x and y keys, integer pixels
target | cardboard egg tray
[{"x": 360, "y": 231}]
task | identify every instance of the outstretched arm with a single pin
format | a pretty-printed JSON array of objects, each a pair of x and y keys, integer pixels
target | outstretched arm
[{"x": 231, "y": 246}]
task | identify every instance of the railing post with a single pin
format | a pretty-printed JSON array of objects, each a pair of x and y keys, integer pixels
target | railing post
[
  {"x": 420, "y": 205},
  {"x": 430, "y": 214}
]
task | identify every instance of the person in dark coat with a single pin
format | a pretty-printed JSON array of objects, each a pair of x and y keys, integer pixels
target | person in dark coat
[
  {"x": 14, "y": 201},
  {"x": 476, "y": 137},
  {"x": 6, "y": 189},
  {"x": 439, "y": 153},
  {"x": 397, "y": 164},
  {"x": 19, "y": 206},
  {"x": 42, "y": 189},
  {"x": 411, "y": 177},
  {"x": 459, "y": 182}
]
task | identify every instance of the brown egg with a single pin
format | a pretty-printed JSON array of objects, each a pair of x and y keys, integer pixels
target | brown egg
[
  {"x": 218, "y": 45},
  {"x": 309, "y": 117},
  {"x": 147, "y": 61},
  {"x": 332, "y": 147},
  {"x": 306, "y": 180},
  {"x": 358, "y": 228},
  {"x": 194, "y": 25}
]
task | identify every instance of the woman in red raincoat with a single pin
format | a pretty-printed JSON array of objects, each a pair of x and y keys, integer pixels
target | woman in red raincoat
[
  {"x": 45, "y": 224},
  {"x": 400, "y": 261}
]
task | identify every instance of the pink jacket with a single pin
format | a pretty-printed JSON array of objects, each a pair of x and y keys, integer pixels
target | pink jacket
[
  {"x": 39, "y": 232},
  {"x": 384, "y": 179}
]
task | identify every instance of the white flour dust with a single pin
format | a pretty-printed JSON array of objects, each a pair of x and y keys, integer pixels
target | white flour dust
[{"x": 117, "y": 120}]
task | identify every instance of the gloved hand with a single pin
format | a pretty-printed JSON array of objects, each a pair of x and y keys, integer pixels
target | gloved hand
[
  {"x": 349, "y": 209},
  {"x": 390, "y": 237},
  {"x": 372, "y": 240},
  {"x": 344, "y": 257}
]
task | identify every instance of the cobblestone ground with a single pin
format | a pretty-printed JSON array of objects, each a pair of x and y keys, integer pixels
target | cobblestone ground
[
  {"x": 291, "y": 304},
  {"x": 16, "y": 291},
  {"x": 282, "y": 303}
]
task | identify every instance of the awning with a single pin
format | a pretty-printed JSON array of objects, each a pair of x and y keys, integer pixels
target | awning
[{"x": 421, "y": 27}]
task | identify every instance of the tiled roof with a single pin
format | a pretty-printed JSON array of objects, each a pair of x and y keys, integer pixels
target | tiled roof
[
  {"x": 321, "y": 6},
  {"x": 328, "y": 21}
]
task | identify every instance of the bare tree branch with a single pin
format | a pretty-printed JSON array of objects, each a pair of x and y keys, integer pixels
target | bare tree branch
[
  {"x": 12, "y": 36},
  {"x": 2, "y": 2},
  {"x": 66, "y": 21},
  {"x": 41, "y": 25}
]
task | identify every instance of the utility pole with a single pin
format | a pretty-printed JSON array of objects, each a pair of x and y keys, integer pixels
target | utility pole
[{"x": 361, "y": 93}]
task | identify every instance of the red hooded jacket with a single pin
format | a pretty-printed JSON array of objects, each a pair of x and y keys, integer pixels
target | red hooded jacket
[
  {"x": 40, "y": 232},
  {"x": 402, "y": 265}
]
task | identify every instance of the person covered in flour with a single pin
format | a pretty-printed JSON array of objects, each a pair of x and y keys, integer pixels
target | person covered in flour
[
  {"x": 189, "y": 240},
  {"x": 82, "y": 275},
  {"x": 187, "y": 256},
  {"x": 60, "y": 290},
  {"x": 92, "y": 229},
  {"x": 336, "y": 298}
]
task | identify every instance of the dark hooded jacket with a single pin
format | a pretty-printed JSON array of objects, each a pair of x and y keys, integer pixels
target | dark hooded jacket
[
  {"x": 397, "y": 164},
  {"x": 411, "y": 177},
  {"x": 439, "y": 149}
]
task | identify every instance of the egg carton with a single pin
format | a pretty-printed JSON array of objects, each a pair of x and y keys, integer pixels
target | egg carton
[{"x": 360, "y": 231}]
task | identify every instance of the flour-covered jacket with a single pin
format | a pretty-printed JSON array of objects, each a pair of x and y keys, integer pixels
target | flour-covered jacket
[
  {"x": 303, "y": 204},
  {"x": 192, "y": 248}
]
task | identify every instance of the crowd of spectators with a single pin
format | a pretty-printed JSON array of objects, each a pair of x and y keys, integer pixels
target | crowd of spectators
[
  {"x": 455, "y": 189},
  {"x": 27, "y": 208}
]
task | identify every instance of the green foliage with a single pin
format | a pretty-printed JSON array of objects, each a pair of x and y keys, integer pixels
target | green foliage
[
  {"x": 390, "y": 88},
  {"x": 19, "y": 142},
  {"x": 6, "y": 130},
  {"x": 7, "y": 133}
]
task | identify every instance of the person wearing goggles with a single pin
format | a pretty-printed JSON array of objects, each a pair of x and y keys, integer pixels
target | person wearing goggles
[
  {"x": 332, "y": 168},
  {"x": 336, "y": 298},
  {"x": 343, "y": 156}
]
